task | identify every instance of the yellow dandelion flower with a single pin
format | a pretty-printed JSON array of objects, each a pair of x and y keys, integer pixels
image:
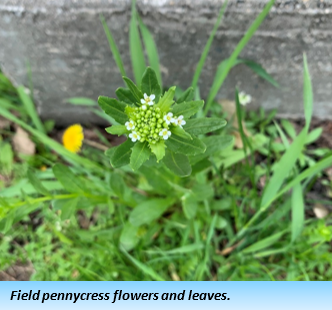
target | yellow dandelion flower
[{"x": 73, "y": 137}]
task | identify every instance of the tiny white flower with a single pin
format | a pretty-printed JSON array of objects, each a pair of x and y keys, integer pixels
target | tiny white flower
[
  {"x": 134, "y": 136},
  {"x": 144, "y": 107},
  {"x": 180, "y": 121},
  {"x": 130, "y": 125},
  {"x": 58, "y": 226},
  {"x": 148, "y": 99},
  {"x": 165, "y": 134},
  {"x": 244, "y": 98},
  {"x": 169, "y": 118}
]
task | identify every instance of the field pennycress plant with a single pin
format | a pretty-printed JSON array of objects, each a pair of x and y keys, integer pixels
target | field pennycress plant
[{"x": 156, "y": 125}]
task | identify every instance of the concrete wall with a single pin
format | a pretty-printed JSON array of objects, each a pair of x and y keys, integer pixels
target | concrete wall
[{"x": 69, "y": 54}]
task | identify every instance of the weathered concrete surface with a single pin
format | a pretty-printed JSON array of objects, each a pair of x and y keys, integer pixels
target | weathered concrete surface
[{"x": 69, "y": 54}]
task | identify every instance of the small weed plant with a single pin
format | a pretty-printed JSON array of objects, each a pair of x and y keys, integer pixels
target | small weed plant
[{"x": 175, "y": 200}]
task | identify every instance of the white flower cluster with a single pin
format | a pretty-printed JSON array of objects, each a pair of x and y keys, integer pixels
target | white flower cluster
[
  {"x": 244, "y": 98},
  {"x": 154, "y": 123}
]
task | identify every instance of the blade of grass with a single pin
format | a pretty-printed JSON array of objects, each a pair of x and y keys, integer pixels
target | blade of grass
[
  {"x": 147, "y": 270},
  {"x": 207, "y": 47},
  {"x": 259, "y": 70},
  {"x": 244, "y": 139},
  {"x": 308, "y": 173},
  {"x": 151, "y": 50},
  {"x": 289, "y": 159},
  {"x": 82, "y": 101},
  {"x": 182, "y": 250},
  {"x": 220, "y": 79},
  {"x": 203, "y": 266},
  {"x": 282, "y": 135},
  {"x": 135, "y": 46},
  {"x": 30, "y": 108},
  {"x": 285, "y": 165},
  {"x": 264, "y": 243},
  {"x": 113, "y": 47},
  {"x": 297, "y": 211}
]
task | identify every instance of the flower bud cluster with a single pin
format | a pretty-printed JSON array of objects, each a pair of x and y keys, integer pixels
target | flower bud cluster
[
  {"x": 146, "y": 124},
  {"x": 149, "y": 123}
]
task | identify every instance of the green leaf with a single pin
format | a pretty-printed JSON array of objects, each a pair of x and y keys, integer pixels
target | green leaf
[
  {"x": 113, "y": 47},
  {"x": 145, "y": 269},
  {"x": 129, "y": 237},
  {"x": 37, "y": 184},
  {"x": 308, "y": 173},
  {"x": 158, "y": 178},
  {"x": 180, "y": 132},
  {"x": 134, "y": 89},
  {"x": 62, "y": 237},
  {"x": 117, "y": 130},
  {"x": 184, "y": 146},
  {"x": 118, "y": 185},
  {"x": 131, "y": 112},
  {"x": 201, "y": 165},
  {"x": 150, "y": 210},
  {"x": 259, "y": 70},
  {"x": 166, "y": 101},
  {"x": 30, "y": 108},
  {"x": 121, "y": 154},
  {"x": 67, "y": 206},
  {"x": 187, "y": 95},
  {"x": 285, "y": 165},
  {"x": 219, "y": 79},
  {"x": 292, "y": 154},
  {"x": 189, "y": 206},
  {"x": 135, "y": 46},
  {"x": 282, "y": 136},
  {"x": 213, "y": 144},
  {"x": 264, "y": 243},
  {"x": 297, "y": 211},
  {"x": 113, "y": 108},
  {"x": 187, "y": 109},
  {"x": 181, "y": 250},
  {"x": 6, "y": 158},
  {"x": 150, "y": 85},
  {"x": 202, "y": 191},
  {"x": 139, "y": 155},
  {"x": 158, "y": 149},
  {"x": 81, "y": 101},
  {"x": 199, "y": 126},
  {"x": 289, "y": 128},
  {"x": 314, "y": 135},
  {"x": 6, "y": 104},
  {"x": 68, "y": 179},
  {"x": 126, "y": 95},
  {"x": 221, "y": 222},
  {"x": 151, "y": 50},
  {"x": 177, "y": 163},
  {"x": 207, "y": 47}
]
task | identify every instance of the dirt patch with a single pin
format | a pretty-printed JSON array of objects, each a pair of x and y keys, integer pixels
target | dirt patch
[{"x": 17, "y": 272}]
